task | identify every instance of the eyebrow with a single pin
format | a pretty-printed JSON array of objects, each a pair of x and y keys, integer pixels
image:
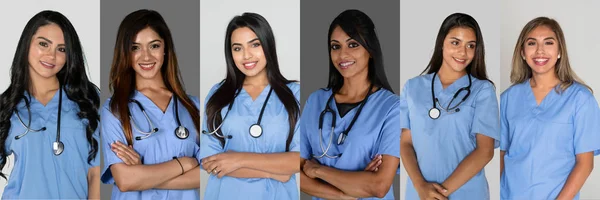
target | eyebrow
[
  {"x": 251, "y": 41},
  {"x": 46, "y": 39},
  {"x": 339, "y": 41},
  {"x": 157, "y": 40},
  {"x": 548, "y": 38}
]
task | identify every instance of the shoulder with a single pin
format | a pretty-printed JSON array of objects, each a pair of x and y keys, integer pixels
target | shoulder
[
  {"x": 580, "y": 92},
  {"x": 294, "y": 87},
  {"x": 512, "y": 89}
]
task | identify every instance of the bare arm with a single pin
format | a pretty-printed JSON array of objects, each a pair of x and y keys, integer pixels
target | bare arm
[
  {"x": 502, "y": 153},
  {"x": 471, "y": 165},
  {"x": 143, "y": 177},
  {"x": 357, "y": 183},
  {"x": 581, "y": 171},
  {"x": 319, "y": 188},
  {"x": 188, "y": 180},
  {"x": 93, "y": 178},
  {"x": 274, "y": 163}
]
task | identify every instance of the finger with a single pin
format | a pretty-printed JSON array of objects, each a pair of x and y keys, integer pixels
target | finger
[
  {"x": 123, "y": 158},
  {"x": 377, "y": 169},
  {"x": 132, "y": 150},
  {"x": 370, "y": 166},
  {"x": 132, "y": 156},
  {"x": 378, "y": 163},
  {"x": 437, "y": 195},
  {"x": 439, "y": 188}
]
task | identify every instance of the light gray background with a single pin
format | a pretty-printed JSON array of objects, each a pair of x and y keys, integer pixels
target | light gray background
[
  {"x": 420, "y": 22},
  {"x": 85, "y": 17},
  {"x": 579, "y": 21},
  {"x": 182, "y": 18},
  {"x": 284, "y": 18},
  {"x": 317, "y": 16}
]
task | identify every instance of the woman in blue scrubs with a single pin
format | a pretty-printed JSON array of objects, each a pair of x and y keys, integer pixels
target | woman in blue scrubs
[
  {"x": 250, "y": 140},
  {"x": 149, "y": 125},
  {"x": 49, "y": 117},
  {"x": 353, "y": 120},
  {"x": 449, "y": 120},
  {"x": 549, "y": 119}
]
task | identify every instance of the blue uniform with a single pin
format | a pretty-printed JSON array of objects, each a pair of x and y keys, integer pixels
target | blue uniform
[
  {"x": 243, "y": 114},
  {"x": 441, "y": 144},
  {"x": 160, "y": 147},
  {"x": 542, "y": 141},
  {"x": 375, "y": 131},
  {"x": 37, "y": 172}
]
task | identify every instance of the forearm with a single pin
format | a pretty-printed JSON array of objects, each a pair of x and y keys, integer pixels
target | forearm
[
  {"x": 468, "y": 167},
  {"x": 93, "y": 179},
  {"x": 143, "y": 177},
  {"x": 502, "y": 153},
  {"x": 276, "y": 163},
  {"x": 320, "y": 189},
  {"x": 409, "y": 160},
  {"x": 577, "y": 177},
  {"x": 188, "y": 180}
]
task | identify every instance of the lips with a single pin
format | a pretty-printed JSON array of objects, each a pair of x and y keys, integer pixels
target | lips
[
  {"x": 250, "y": 65},
  {"x": 540, "y": 61},
  {"x": 147, "y": 66},
  {"x": 460, "y": 61},
  {"x": 47, "y": 65},
  {"x": 346, "y": 64}
]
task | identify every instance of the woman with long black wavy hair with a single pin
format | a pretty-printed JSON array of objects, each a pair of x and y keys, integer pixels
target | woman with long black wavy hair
[
  {"x": 250, "y": 141},
  {"x": 50, "y": 94}
]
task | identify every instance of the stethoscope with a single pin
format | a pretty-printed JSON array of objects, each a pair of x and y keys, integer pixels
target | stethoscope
[
  {"x": 344, "y": 134},
  {"x": 181, "y": 132},
  {"x": 57, "y": 146},
  {"x": 434, "y": 112},
  {"x": 255, "y": 130}
]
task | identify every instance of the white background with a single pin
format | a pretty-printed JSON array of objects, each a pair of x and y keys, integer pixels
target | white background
[
  {"x": 284, "y": 18},
  {"x": 14, "y": 15},
  {"x": 579, "y": 22},
  {"x": 420, "y": 22}
]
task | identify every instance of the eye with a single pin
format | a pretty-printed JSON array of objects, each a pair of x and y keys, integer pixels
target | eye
[
  {"x": 254, "y": 45},
  {"x": 62, "y": 49},
  {"x": 353, "y": 45},
  {"x": 530, "y": 43},
  {"x": 236, "y": 48},
  {"x": 43, "y": 44},
  {"x": 135, "y": 48},
  {"x": 455, "y": 43},
  {"x": 471, "y": 46},
  {"x": 155, "y": 46},
  {"x": 335, "y": 46},
  {"x": 549, "y": 42}
]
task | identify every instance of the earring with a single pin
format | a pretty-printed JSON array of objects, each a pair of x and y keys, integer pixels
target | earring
[{"x": 558, "y": 56}]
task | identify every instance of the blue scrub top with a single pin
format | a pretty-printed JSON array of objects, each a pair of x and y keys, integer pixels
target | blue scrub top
[
  {"x": 160, "y": 147},
  {"x": 441, "y": 144},
  {"x": 541, "y": 142},
  {"x": 243, "y": 114},
  {"x": 38, "y": 173},
  {"x": 375, "y": 131}
]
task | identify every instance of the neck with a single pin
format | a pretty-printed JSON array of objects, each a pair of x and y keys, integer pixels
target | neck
[
  {"x": 546, "y": 80},
  {"x": 41, "y": 86},
  {"x": 258, "y": 80},
  {"x": 448, "y": 76},
  {"x": 155, "y": 83},
  {"x": 355, "y": 86}
]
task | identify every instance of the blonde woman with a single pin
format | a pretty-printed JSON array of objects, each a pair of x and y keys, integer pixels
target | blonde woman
[{"x": 549, "y": 119}]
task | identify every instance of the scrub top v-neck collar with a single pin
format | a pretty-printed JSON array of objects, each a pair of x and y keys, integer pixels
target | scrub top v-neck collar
[
  {"x": 442, "y": 93},
  {"x": 153, "y": 109},
  {"x": 49, "y": 109},
  {"x": 547, "y": 100},
  {"x": 259, "y": 99}
]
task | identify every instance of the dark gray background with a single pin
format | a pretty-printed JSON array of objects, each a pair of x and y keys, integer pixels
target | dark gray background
[
  {"x": 183, "y": 19},
  {"x": 315, "y": 18}
]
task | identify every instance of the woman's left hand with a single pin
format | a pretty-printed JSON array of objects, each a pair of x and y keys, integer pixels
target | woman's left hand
[
  {"x": 310, "y": 167},
  {"x": 223, "y": 163},
  {"x": 126, "y": 153}
]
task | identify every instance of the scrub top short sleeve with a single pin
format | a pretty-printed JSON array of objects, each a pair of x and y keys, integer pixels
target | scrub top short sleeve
[
  {"x": 587, "y": 127},
  {"x": 404, "y": 113},
  {"x": 209, "y": 145},
  {"x": 485, "y": 119},
  {"x": 295, "y": 144},
  {"x": 111, "y": 132}
]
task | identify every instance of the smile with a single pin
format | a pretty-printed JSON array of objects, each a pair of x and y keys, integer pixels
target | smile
[
  {"x": 147, "y": 66},
  {"x": 250, "y": 65},
  {"x": 345, "y": 65},
  {"x": 540, "y": 61},
  {"x": 461, "y": 61},
  {"x": 47, "y": 65}
]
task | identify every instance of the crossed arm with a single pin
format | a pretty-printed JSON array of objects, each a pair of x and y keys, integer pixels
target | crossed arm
[{"x": 278, "y": 166}]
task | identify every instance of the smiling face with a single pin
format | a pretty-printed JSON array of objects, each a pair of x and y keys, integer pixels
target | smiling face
[
  {"x": 540, "y": 50},
  {"x": 47, "y": 52},
  {"x": 347, "y": 55},
  {"x": 148, "y": 54},
  {"x": 247, "y": 52},
  {"x": 459, "y": 48}
]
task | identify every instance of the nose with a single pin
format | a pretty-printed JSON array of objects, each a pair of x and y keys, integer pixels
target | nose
[
  {"x": 146, "y": 54},
  {"x": 344, "y": 52},
  {"x": 462, "y": 51},
  {"x": 540, "y": 49},
  {"x": 247, "y": 54}
]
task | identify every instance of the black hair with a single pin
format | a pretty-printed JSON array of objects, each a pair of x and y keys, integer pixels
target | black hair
[{"x": 235, "y": 78}]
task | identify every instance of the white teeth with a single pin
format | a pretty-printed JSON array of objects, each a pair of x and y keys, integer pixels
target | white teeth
[
  {"x": 146, "y": 66},
  {"x": 459, "y": 60},
  {"x": 346, "y": 64},
  {"x": 46, "y": 64},
  {"x": 249, "y": 64},
  {"x": 540, "y": 59}
]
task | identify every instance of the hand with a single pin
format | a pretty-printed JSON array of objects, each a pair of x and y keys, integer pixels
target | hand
[
  {"x": 310, "y": 167},
  {"x": 373, "y": 166},
  {"x": 126, "y": 153},
  {"x": 431, "y": 191},
  {"x": 223, "y": 163}
]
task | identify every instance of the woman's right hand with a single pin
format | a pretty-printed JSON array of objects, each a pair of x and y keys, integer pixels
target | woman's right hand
[
  {"x": 373, "y": 166},
  {"x": 429, "y": 191}
]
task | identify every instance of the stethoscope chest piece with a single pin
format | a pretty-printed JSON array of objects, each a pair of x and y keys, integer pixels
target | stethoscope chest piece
[
  {"x": 255, "y": 130},
  {"x": 182, "y": 132},
  {"x": 58, "y": 147},
  {"x": 341, "y": 139},
  {"x": 434, "y": 113}
]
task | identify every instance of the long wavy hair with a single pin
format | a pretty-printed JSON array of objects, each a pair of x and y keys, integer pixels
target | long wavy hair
[
  {"x": 72, "y": 77},
  {"x": 122, "y": 75},
  {"x": 235, "y": 78},
  {"x": 477, "y": 67},
  {"x": 359, "y": 27},
  {"x": 520, "y": 69}
]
